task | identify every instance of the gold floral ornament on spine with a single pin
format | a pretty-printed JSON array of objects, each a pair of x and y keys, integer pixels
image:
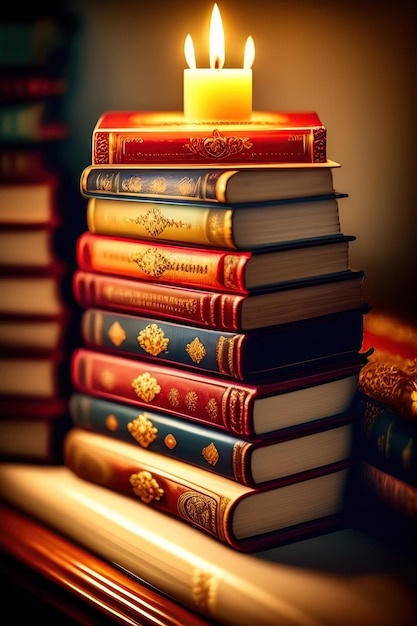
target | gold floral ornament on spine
[
  {"x": 217, "y": 146},
  {"x": 143, "y": 430},
  {"x": 145, "y": 486},
  {"x": 154, "y": 222},
  {"x": 195, "y": 350},
  {"x": 152, "y": 340},
  {"x": 146, "y": 387}
]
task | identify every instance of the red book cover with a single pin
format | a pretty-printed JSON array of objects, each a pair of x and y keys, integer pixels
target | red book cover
[{"x": 130, "y": 137}]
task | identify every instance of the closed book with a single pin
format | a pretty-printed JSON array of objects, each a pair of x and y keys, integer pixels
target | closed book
[
  {"x": 29, "y": 202},
  {"x": 32, "y": 334},
  {"x": 240, "y": 227},
  {"x": 215, "y": 185},
  {"x": 36, "y": 294},
  {"x": 241, "y": 408},
  {"x": 251, "y": 462},
  {"x": 244, "y": 356},
  {"x": 28, "y": 249},
  {"x": 33, "y": 376},
  {"x": 32, "y": 431},
  {"x": 290, "y": 302},
  {"x": 72, "y": 580},
  {"x": 153, "y": 137},
  {"x": 385, "y": 439},
  {"x": 212, "y": 268},
  {"x": 244, "y": 518}
]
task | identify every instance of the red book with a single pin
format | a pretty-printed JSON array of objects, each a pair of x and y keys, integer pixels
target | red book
[
  {"x": 129, "y": 137},
  {"x": 291, "y": 302},
  {"x": 209, "y": 268},
  {"x": 245, "y": 409}
]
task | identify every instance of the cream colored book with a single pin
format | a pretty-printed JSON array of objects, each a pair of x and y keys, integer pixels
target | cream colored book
[{"x": 332, "y": 580}]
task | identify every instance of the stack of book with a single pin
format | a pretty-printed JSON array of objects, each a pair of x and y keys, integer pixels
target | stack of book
[
  {"x": 34, "y": 273},
  {"x": 222, "y": 325},
  {"x": 384, "y": 485}
]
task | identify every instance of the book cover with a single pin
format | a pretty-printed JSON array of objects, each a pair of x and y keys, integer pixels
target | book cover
[
  {"x": 385, "y": 439},
  {"x": 84, "y": 587},
  {"x": 248, "y": 410},
  {"x": 244, "y": 356},
  {"x": 249, "y": 462},
  {"x": 237, "y": 227},
  {"x": 347, "y": 573},
  {"x": 244, "y": 518},
  {"x": 290, "y": 302},
  {"x": 129, "y": 137},
  {"x": 214, "y": 185},
  {"x": 212, "y": 268}
]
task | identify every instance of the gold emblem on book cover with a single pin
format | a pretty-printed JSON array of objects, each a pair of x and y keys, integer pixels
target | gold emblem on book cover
[
  {"x": 152, "y": 340},
  {"x": 146, "y": 487},
  {"x": 154, "y": 222},
  {"x": 111, "y": 422},
  {"x": 211, "y": 408},
  {"x": 107, "y": 379},
  {"x": 116, "y": 334},
  {"x": 199, "y": 509},
  {"x": 174, "y": 397},
  {"x": 143, "y": 430},
  {"x": 155, "y": 263},
  {"x": 211, "y": 454},
  {"x": 191, "y": 400},
  {"x": 146, "y": 387},
  {"x": 170, "y": 441},
  {"x": 196, "y": 350},
  {"x": 217, "y": 146}
]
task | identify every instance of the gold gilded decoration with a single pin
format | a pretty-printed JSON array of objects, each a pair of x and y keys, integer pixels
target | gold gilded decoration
[
  {"x": 152, "y": 340},
  {"x": 154, "y": 222},
  {"x": 106, "y": 378},
  {"x": 211, "y": 454},
  {"x": 170, "y": 442},
  {"x": 188, "y": 187},
  {"x": 191, "y": 400},
  {"x": 116, "y": 334},
  {"x": 133, "y": 183},
  {"x": 231, "y": 264},
  {"x": 146, "y": 487},
  {"x": 174, "y": 397},
  {"x": 146, "y": 387},
  {"x": 212, "y": 410},
  {"x": 196, "y": 350},
  {"x": 225, "y": 350},
  {"x": 319, "y": 145},
  {"x": 155, "y": 263},
  {"x": 217, "y": 146},
  {"x": 142, "y": 429},
  {"x": 158, "y": 185},
  {"x": 111, "y": 422},
  {"x": 204, "y": 590},
  {"x": 199, "y": 509}
]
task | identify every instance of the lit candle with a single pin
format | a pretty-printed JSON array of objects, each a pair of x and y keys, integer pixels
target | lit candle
[{"x": 216, "y": 94}]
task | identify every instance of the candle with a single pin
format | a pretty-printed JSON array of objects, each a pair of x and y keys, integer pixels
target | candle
[{"x": 217, "y": 94}]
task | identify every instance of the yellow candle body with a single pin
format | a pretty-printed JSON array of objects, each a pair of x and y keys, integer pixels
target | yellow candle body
[{"x": 217, "y": 95}]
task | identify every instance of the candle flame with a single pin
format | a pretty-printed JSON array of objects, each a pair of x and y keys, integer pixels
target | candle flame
[
  {"x": 189, "y": 52},
  {"x": 249, "y": 55},
  {"x": 216, "y": 40}
]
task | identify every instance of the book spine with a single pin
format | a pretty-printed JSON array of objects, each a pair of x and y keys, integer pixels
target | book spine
[
  {"x": 215, "y": 402},
  {"x": 393, "y": 492},
  {"x": 133, "y": 183},
  {"x": 209, "y": 350},
  {"x": 204, "y": 308},
  {"x": 214, "y": 269},
  {"x": 202, "y": 508},
  {"x": 304, "y": 145},
  {"x": 199, "y": 225},
  {"x": 386, "y": 439},
  {"x": 208, "y": 448}
]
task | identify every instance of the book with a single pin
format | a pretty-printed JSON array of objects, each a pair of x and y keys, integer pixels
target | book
[
  {"x": 385, "y": 439},
  {"x": 33, "y": 430},
  {"x": 28, "y": 248},
  {"x": 212, "y": 268},
  {"x": 239, "y": 227},
  {"x": 248, "y": 410},
  {"x": 290, "y": 302},
  {"x": 165, "y": 137},
  {"x": 215, "y": 184},
  {"x": 34, "y": 334},
  {"x": 40, "y": 295},
  {"x": 390, "y": 336},
  {"x": 243, "y": 517},
  {"x": 245, "y": 356},
  {"x": 251, "y": 462},
  {"x": 77, "y": 584},
  {"x": 33, "y": 376},
  {"x": 345, "y": 572},
  {"x": 30, "y": 202}
]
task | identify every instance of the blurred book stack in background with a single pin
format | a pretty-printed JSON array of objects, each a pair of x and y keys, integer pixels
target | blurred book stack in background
[{"x": 36, "y": 306}]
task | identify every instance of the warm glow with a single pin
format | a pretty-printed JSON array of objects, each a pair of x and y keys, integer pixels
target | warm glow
[
  {"x": 189, "y": 52},
  {"x": 216, "y": 40},
  {"x": 249, "y": 55}
]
